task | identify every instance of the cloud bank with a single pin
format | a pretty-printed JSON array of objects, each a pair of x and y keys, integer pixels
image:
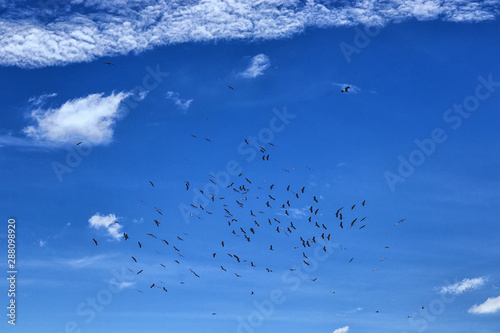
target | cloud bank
[{"x": 55, "y": 32}]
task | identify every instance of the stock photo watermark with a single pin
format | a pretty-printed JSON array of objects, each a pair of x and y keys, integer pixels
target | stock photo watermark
[
  {"x": 89, "y": 308},
  {"x": 11, "y": 270},
  {"x": 266, "y": 135},
  {"x": 361, "y": 40},
  {"x": 77, "y": 152},
  {"x": 292, "y": 280},
  {"x": 454, "y": 117}
]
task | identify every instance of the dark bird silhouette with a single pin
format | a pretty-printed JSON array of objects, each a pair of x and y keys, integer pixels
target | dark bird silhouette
[
  {"x": 140, "y": 245},
  {"x": 213, "y": 255},
  {"x": 222, "y": 243},
  {"x": 364, "y": 225},
  {"x": 109, "y": 63},
  {"x": 230, "y": 87},
  {"x": 134, "y": 259},
  {"x": 363, "y": 203},
  {"x": 271, "y": 248},
  {"x": 346, "y": 89},
  {"x": 177, "y": 261},
  {"x": 165, "y": 241},
  {"x": 237, "y": 275},
  {"x": 315, "y": 199},
  {"x": 208, "y": 140},
  {"x": 353, "y": 206},
  {"x": 187, "y": 185},
  {"x": 314, "y": 279},
  {"x": 95, "y": 241},
  {"x": 157, "y": 223},
  {"x": 165, "y": 289},
  {"x": 194, "y": 273},
  {"x": 77, "y": 143},
  {"x": 152, "y": 286},
  {"x": 400, "y": 222},
  {"x": 223, "y": 269},
  {"x": 151, "y": 183},
  {"x": 351, "y": 260},
  {"x": 268, "y": 270},
  {"x": 139, "y": 272},
  {"x": 125, "y": 236}
]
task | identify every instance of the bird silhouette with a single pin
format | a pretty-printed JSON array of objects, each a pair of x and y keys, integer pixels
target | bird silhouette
[{"x": 95, "y": 241}]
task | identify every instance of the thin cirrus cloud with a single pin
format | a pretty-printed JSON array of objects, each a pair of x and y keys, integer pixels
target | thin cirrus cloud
[
  {"x": 37, "y": 35},
  {"x": 464, "y": 285},
  {"x": 89, "y": 118},
  {"x": 182, "y": 104},
  {"x": 106, "y": 222},
  {"x": 342, "y": 329},
  {"x": 491, "y": 305},
  {"x": 257, "y": 66}
]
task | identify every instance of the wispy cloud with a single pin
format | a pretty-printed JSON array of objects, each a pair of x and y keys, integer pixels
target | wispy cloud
[
  {"x": 37, "y": 101},
  {"x": 491, "y": 305},
  {"x": 89, "y": 119},
  {"x": 85, "y": 261},
  {"x": 182, "y": 104},
  {"x": 81, "y": 31},
  {"x": 342, "y": 330},
  {"x": 465, "y": 284},
  {"x": 42, "y": 243},
  {"x": 352, "y": 88},
  {"x": 257, "y": 66},
  {"x": 99, "y": 221}
]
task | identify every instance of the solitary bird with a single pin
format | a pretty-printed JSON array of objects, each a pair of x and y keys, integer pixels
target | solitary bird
[
  {"x": 134, "y": 259},
  {"x": 230, "y": 87},
  {"x": 400, "y": 222},
  {"x": 77, "y": 143},
  {"x": 109, "y": 64},
  {"x": 95, "y": 241},
  {"x": 151, "y": 183},
  {"x": 346, "y": 88},
  {"x": 140, "y": 245},
  {"x": 125, "y": 236},
  {"x": 139, "y": 272}
]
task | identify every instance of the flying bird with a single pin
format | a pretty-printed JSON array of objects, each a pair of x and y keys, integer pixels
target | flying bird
[
  {"x": 95, "y": 241},
  {"x": 140, "y": 245},
  {"x": 139, "y": 272},
  {"x": 151, "y": 183},
  {"x": 230, "y": 87},
  {"x": 77, "y": 143},
  {"x": 134, "y": 259},
  {"x": 345, "y": 89},
  {"x": 400, "y": 222},
  {"x": 109, "y": 63}
]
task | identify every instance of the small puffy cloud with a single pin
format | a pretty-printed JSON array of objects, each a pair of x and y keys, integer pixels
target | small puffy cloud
[
  {"x": 342, "y": 330},
  {"x": 89, "y": 119},
  {"x": 257, "y": 66},
  {"x": 99, "y": 221},
  {"x": 182, "y": 104},
  {"x": 491, "y": 305},
  {"x": 42, "y": 243},
  {"x": 465, "y": 284},
  {"x": 122, "y": 285}
]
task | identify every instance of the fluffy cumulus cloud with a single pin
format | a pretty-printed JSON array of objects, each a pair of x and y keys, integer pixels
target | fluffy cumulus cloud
[
  {"x": 107, "y": 223},
  {"x": 464, "y": 285},
  {"x": 89, "y": 119},
  {"x": 491, "y": 305},
  {"x": 46, "y": 33},
  {"x": 342, "y": 330},
  {"x": 257, "y": 66},
  {"x": 182, "y": 104}
]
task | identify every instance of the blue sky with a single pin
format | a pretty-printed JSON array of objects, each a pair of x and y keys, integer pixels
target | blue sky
[{"x": 416, "y": 136}]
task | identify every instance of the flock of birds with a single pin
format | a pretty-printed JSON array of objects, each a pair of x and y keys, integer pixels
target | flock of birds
[{"x": 251, "y": 208}]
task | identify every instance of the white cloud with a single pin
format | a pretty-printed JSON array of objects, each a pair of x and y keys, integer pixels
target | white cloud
[
  {"x": 81, "y": 31},
  {"x": 182, "y": 104},
  {"x": 42, "y": 243},
  {"x": 37, "y": 101},
  {"x": 491, "y": 305},
  {"x": 88, "y": 119},
  {"x": 99, "y": 221},
  {"x": 85, "y": 261},
  {"x": 257, "y": 66},
  {"x": 465, "y": 284},
  {"x": 122, "y": 285},
  {"x": 342, "y": 330}
]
